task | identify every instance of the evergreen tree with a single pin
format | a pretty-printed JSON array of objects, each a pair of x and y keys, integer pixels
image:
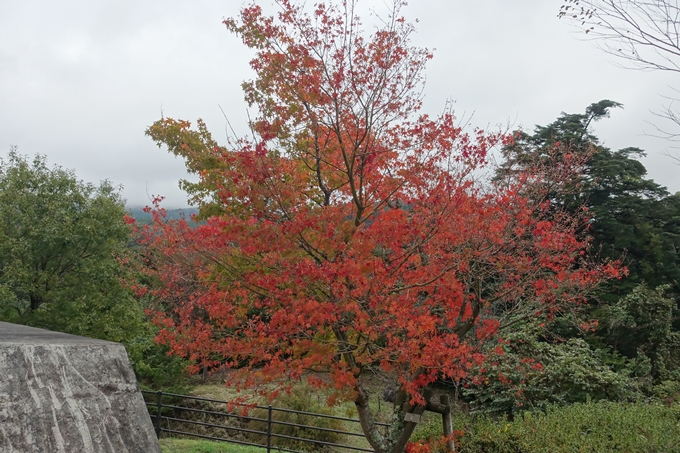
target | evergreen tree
[
  {"x": 631, "y": 216},
  {"x": 634, "y": 321},
  {"x": 61, "y": 242}
]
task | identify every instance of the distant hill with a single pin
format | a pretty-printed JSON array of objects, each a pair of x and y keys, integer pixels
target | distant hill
[{"x": 145, "y": 218}]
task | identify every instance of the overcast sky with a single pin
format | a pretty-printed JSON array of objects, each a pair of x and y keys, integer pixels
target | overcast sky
[{"x": 80, "y": 81}]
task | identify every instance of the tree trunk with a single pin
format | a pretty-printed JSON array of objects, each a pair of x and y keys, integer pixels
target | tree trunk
[
  {"x": 368, "y": 426},
  {"x": 414, "y": 413},
  {"x": 36, "y": 301},
  {"x": 404, "y": 421},
  {"x": 446, "y": 420}
]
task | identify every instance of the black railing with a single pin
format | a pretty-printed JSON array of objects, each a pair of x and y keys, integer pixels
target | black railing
[{"x": 173, "y": 418}]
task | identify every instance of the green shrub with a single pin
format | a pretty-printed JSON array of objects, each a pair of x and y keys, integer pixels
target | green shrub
[
  {"x": 668, "y": 391},
  {"x": 532, "y": 374},
  {"x": 155, "y": 369},
  {"x": 585, "y": 427},
  {"x": 298, "y": 399},
  {"x": 429, "y": 428}
]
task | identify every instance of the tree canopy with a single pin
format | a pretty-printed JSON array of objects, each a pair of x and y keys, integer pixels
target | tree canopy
[
  {"x": 61, "y": 242},
  {"x": 630, "y": 216}
]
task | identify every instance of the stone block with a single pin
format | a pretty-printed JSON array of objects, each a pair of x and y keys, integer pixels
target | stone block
[{"x": 62, "y": 393}]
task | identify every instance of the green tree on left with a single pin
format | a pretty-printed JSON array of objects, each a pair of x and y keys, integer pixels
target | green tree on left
[{"x": 61, "y": 246}]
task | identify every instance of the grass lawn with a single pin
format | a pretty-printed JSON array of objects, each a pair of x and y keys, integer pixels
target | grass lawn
[{"x": 171, "y": 445}]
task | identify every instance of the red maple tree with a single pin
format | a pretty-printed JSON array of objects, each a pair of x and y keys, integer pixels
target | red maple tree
[{"x": 349, "y": 236}]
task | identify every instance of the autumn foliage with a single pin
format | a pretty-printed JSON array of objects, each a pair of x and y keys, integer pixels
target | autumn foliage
[{"x": 350, "y": 235}]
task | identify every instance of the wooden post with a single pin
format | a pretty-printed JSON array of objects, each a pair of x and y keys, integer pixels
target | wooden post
[
  {"x": 269, "y": 429},
  {"x": 448, "y": 424},
  {"x": 159, "y": 413}
]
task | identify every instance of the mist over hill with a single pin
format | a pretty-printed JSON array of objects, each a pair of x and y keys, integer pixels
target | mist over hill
[{"x": 173, "y": 214}]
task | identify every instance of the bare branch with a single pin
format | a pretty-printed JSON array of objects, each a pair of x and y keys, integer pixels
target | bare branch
[{"x": 645, "y": 34}]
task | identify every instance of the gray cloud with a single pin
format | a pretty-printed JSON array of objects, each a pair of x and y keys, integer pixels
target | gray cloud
[{"x": 80, "y": 81}]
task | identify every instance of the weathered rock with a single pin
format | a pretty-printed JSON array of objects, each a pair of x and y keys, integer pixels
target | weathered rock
[{"x": 63, "y": 393}]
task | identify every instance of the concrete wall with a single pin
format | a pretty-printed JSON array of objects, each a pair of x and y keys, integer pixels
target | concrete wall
[{"x": 63, "y": 393}]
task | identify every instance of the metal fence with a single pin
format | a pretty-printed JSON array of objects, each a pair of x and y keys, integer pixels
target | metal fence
[{"x": 172, "y": 414}]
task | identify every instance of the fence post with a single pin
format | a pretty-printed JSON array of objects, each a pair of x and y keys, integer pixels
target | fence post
[
  {"x": 159, "y": 405},
  {"x": 448, "y": 425},
  {"x": 269, "y": 429}
]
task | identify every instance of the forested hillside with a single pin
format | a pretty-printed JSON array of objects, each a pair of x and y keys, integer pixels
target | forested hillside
[{"x": 145, "y": 217}]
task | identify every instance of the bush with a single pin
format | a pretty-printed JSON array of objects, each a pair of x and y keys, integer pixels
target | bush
[
  {"x": 429, "y": 428},
  {"x": 298, "y": 399},
  {"x": 583, "y": 427},
  {"x": 531, "y": 374},
  {"x": 155, "y": 369}
]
